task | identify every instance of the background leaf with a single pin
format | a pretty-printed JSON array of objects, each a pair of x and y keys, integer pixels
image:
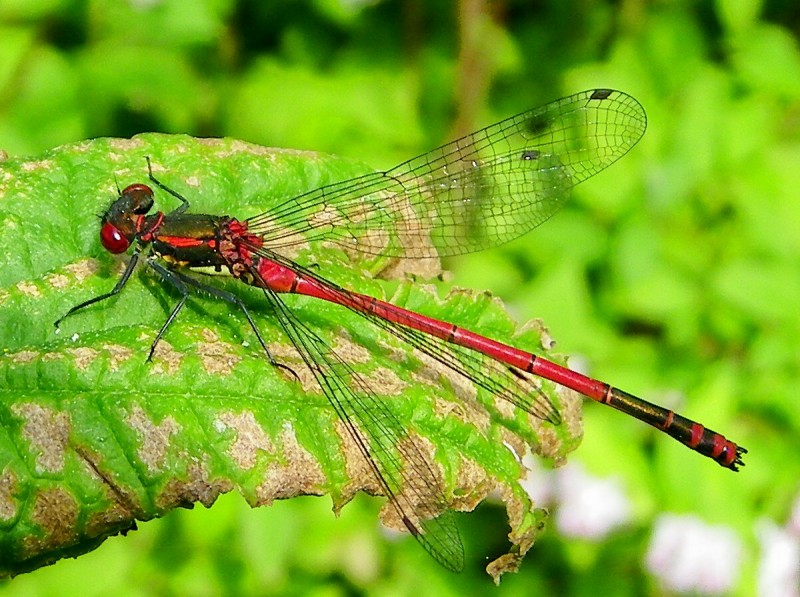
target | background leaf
[{"x": 96, "y": 438}]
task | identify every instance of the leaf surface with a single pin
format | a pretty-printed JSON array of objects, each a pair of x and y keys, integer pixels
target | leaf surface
[{"x": 94, "y": 438}]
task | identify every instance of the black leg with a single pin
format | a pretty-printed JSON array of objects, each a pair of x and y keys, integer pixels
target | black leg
[
  {"x": 180, "y": 281},
  {"x": 174, "y": 279},
  {"x": 120, "y": 283},
  {"x": 184, "y": 201},
  {"x": 234, "y": 300}
]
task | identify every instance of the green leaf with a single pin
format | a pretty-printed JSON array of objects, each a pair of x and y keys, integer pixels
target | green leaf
[{"x": 94, "y": 438}]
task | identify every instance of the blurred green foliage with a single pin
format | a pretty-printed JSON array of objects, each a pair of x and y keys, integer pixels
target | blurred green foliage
[{"x": 676, "y": 274}]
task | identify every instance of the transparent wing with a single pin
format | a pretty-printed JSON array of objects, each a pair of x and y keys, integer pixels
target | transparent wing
[
  {"x": 505, "y": 382},
  {"x": 402, "y": 470},
  {"x": 480, "y": 191}
]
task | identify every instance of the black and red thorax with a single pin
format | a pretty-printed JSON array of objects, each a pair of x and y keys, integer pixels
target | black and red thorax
[{"x": 180, "y": 239}]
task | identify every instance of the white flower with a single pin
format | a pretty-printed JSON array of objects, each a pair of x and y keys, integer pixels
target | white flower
[
  {"x": 779, "y": 568},
  {"x": 539, "y": 483},
  {"x": 589, "y": 507},
  {"x": 794, "y": 519},
  {"x": 686, "y": 554}
]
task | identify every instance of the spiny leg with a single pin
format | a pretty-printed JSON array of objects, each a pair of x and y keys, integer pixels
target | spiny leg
[
  {"x": 229, "y": 297},
  {"x": 176, "y": 280},
  {"x": 184, "y": 201},
  {"x": 120, "y": 284}
]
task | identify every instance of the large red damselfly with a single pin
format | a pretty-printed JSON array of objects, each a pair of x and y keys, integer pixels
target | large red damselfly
[{"x": 479, "y": 191}]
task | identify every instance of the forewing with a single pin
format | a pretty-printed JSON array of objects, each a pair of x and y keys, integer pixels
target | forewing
[{"x": 482, "y": 190}]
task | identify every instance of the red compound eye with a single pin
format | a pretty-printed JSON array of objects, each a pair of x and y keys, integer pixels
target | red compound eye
[{"x": 113, "y": 240}]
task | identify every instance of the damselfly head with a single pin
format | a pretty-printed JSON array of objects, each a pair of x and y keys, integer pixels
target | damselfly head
[{"x": 120, "y": 225}]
